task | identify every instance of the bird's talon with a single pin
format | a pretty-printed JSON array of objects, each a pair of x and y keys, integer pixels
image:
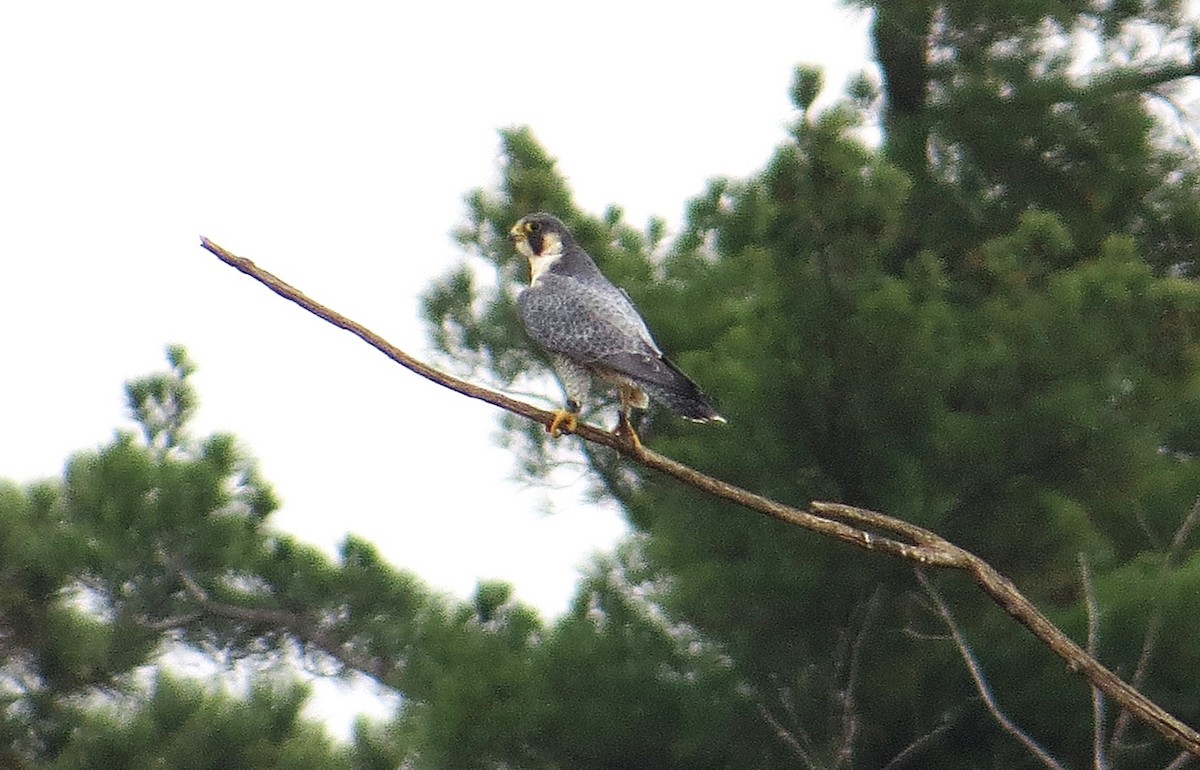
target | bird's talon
[
  {"x": 563, "y": 422},
  {"x": 626, "y": 433}
]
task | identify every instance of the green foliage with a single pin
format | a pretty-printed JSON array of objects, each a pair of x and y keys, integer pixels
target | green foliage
[
  {"x": 183, "y": 726},
  {"x": 159, "y": 541},
  {"x": 806, "y": 85},
  {"x": 608, "y": 686},
  {"x": 97, "y": 570},
  {"x": 980, "y": 328},
  {"x": 161, "y": 404},
  {"x": 997, "y": 109}
]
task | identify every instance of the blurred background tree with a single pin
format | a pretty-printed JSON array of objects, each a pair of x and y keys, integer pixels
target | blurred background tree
[{"x": 985, "y": 326}]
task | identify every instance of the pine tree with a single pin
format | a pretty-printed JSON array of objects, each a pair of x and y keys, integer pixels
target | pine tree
[{"x": 981, "y": 328}]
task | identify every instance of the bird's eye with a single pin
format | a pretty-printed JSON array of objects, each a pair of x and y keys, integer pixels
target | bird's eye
[{"x": 533, "y": 227}]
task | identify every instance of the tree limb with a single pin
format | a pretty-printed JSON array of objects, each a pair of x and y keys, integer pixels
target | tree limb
[
  {"x": 1183, "y": 760},
  {"x": 787, "y": 738},
  {"x": 1093, "y": 641},
  {"x": 844, "y": 756},
  {"x": 1142, "y": 669},
  {"x": 919, "y": 743},
  {"x": 305, "y": 630},
  {"x": 981, "y": 684},
  {"x": 1124, "y": 81},
  {"x": 856, "y": 526}
]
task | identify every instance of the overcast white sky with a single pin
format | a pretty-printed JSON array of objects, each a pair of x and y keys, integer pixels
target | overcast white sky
[{"x": 332, "y": 144}]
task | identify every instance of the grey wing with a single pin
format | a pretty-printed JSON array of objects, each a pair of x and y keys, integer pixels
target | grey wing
[
  {"x": 593, "y": 325},
  {"x": 635, "y": 318}
]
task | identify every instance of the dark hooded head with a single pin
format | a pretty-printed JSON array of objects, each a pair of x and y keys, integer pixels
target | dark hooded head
[{"x": 549, "y": 246}]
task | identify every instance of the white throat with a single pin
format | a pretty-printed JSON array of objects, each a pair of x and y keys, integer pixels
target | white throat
[
  {"x": 539, "y": 265},
  {"x": 552, "y": 251}
]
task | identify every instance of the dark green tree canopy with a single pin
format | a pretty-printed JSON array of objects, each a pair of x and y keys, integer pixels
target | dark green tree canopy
[
  {"x": 995, "y": 109},
  {"x": 981, "y": 327}
]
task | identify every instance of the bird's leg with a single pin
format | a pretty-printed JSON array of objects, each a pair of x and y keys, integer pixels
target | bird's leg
[
  {"x": 625, "y": 430},
  {"x": 565, "y": 419},
  {"x": 624, "y": 426},
  {"x": 576, "y": 382}
]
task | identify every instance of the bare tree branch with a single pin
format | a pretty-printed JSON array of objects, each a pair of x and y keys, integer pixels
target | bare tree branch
[
  {"x": 306, "y": 630},
  {"x": 1142, "y": 670},
  {"x": 981, "y": 684},
  {"x": 1136, "y": 81},
  {"x": 787, "y": 699},
  {"x": 784, "y": 735},
  {"x": 845, "y": 726},
  {"x": 850, "y": 719},
  {"x": 1093, "y": 639},
  {"x": 1180, "y": 762},
  {"x": 920, "y": 742},
  {"x": 856, "y": 526},
  {"x": 171, "y": 622}
]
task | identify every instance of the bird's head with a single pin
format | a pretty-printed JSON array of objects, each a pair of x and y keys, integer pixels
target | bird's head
[{"x": 542, "y": 239}]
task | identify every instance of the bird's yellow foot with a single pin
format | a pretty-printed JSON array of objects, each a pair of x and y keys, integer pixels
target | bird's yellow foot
[
  {"x": 564, "y": 422},
  {"x": 626, "y": 432}
]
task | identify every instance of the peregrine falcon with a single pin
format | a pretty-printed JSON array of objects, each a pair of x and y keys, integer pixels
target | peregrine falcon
[{"x": 592, "y": 330}]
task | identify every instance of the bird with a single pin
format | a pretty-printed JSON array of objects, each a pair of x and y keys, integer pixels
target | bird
[{"x": 593, "y": 332}]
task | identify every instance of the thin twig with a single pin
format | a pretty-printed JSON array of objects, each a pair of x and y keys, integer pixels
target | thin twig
[
  {"x": 1099, "y": 761},
  {"x": 919, "y": 743},
  {"x": 786, "y": 737},
  {"x": 171, "y": 622},
  {"x": 787, "y": 699},
  {"x": 850, "y": 718},
  {"x": 981, "y": 684},
  {"x": 1154, "y": 626},
  {"x": 924, "y": 547}
]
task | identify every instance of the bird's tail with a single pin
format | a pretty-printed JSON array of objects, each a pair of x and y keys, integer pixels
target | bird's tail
[{"x": 682, "y": 396}]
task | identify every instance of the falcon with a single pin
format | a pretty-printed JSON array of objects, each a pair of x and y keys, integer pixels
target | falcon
[{"x": 593, "y": 331}]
